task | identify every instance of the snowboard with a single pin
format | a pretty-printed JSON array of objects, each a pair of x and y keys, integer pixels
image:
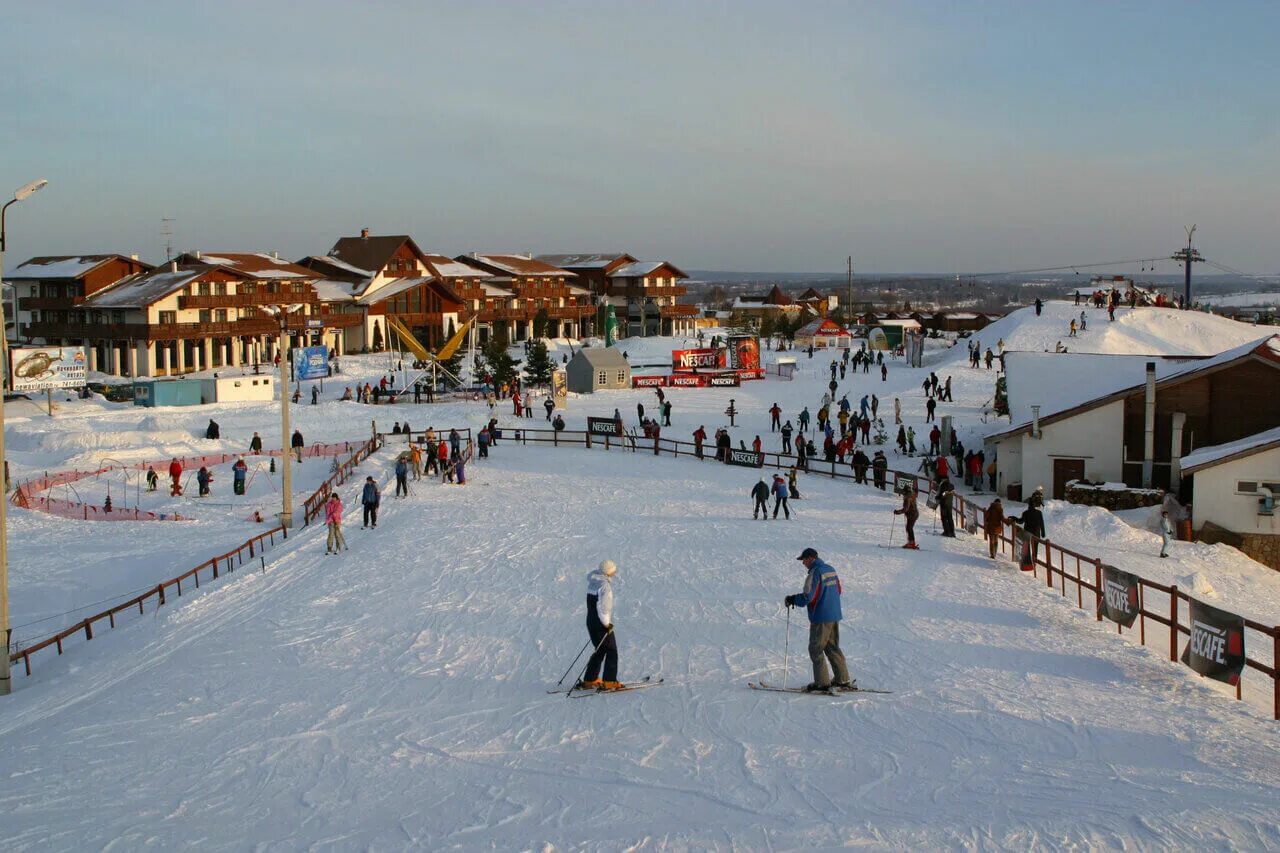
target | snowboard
[{"x": 761, "y": 685}]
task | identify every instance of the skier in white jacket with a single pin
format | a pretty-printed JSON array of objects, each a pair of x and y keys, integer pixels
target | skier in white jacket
[{"x": 600, "y": 627}]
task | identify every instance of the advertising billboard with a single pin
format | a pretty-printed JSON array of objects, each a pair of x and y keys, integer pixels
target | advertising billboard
[
  {"x": 604, "y": 426},
  {"x": 744, "y": 352},
  {"x": 42, "y": 368},
  {"x": 311, "y": 362},
  {"x": 698, "y": 359}
]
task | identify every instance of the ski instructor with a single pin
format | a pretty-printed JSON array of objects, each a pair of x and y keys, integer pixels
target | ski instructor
[
  {"x": 600, "y": 627},
  {"x": 821, "y": 597}
]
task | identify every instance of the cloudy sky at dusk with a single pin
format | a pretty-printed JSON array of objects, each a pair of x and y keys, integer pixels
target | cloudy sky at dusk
[{"x": 916, "y": 136}]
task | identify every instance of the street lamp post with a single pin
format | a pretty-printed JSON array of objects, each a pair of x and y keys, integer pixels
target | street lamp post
[
  {"x": 6, "y": 684},
  {"x": 286, "y": 450}
]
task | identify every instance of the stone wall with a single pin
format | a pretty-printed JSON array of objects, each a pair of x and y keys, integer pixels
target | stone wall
[
  {"x": 1112, "y": 497},
  {"x": 1263, "y": 547}
]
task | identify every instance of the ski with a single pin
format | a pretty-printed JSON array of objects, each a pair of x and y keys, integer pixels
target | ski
[
  {"x": 834, "y": 691},
  {"x": 637, "y": 685},
  {"x": 898, "y": 548},
  {"x": 561, "y": 690}
]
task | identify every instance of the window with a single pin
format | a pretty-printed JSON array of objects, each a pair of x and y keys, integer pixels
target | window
[
  {"x": 602, "y": 378},
  {"x": 168, "y": 317},
  {"x": 117, "y": 316},
  {"x": 247, "y": 312},
  {"x": 204, "y": 288},
  {"x": 248, "y": 287},
  {"x": 219, "y": 288},
  {"x": 622, "y": 376},
  {"x": 34, "y": 288},
  {"x": 296, "y": 287},
  {"x": 1247, "y": 487},
  {"x": 220, "y": 315},
  {"x": 205, "y": 317}
]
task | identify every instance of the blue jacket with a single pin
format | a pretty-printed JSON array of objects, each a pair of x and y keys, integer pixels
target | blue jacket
[
  {"x": 402, "y": 468},
  {"x": 780, "y": 488},
  {"x": 370, "y": 496},
  {"x": 821, "y": 594}
]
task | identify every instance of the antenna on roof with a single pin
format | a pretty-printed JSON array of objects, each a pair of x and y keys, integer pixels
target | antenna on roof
[{"x": 166, "y": 231}]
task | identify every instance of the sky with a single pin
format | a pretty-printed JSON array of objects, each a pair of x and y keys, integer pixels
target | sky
[{"x": 914, "y": 136}]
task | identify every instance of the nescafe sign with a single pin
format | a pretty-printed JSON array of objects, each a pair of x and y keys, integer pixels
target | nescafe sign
[
  {"x": 604, "y": 426},
  {"x": 745, "y": 458},
  {"x": 724, "y": 381}
]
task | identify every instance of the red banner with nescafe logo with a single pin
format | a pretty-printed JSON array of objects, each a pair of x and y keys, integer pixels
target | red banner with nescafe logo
[{"x": 698, "y": 359}]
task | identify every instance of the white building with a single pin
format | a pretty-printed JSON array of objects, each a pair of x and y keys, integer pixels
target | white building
[{"x": 1234, "y": 491}]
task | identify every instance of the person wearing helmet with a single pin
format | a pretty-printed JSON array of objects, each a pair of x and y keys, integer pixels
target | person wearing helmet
[{"x": 600, "y": 627}]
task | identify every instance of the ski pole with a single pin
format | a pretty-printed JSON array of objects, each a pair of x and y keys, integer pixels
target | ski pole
[
  {"x": 893, "y": 524},
  {"x": 786, "y": 649},
  {"x": 575, "y": 660},
  {"x": 593, "y": 652}
]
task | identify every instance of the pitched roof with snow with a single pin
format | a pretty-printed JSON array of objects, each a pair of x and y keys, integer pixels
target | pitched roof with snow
[
  {"x": 258, "y": 265},
  {"x": 1207, "y": 457},
  {"x": 144, "y": 289},
  {"x": 64, "y": 266},
  {"x": 331, "y": 290},
  {"x": 640, "y": 269},
  {"x": 446, "y": 267},
  {"x": 1265, "y": 348},
  {"x": 585, "y": 260},
  {"x": 599, "y": 357},
  {"x": 516, "y": 265},
  {"x": 329, "y": 262},
  {"x": 822, "y": 326}
]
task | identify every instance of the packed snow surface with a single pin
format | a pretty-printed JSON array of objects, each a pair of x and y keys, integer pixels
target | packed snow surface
[{"x": 394, "y": 697}]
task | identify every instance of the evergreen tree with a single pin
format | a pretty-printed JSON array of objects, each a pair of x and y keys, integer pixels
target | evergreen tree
[
  {"x": 502, "y": 365},
  {"x": 538, "y": 366},
  {"x": 540, "y": 321}
]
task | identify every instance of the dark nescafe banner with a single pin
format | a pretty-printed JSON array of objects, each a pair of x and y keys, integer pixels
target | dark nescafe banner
[
  {"x": 1216, "y": 648},
  {"x": 604, "y": 426},
  {"x": 1119, "y": 596},
  {"x": 745, "y": 458}
]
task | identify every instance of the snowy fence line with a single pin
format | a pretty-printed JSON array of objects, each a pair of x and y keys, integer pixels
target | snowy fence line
[
  {"x": 26, "y": 495},
  {"x": 1085, "y": 572},
  {"x": 214, "y": 567}
]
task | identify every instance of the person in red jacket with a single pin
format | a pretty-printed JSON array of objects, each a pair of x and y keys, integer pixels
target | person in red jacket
[
  {"x": 699, "y": 436},
  {"x": 942, "y": 469},
  {"x": 935, "y": 440},
  {"x": 175, "y": 474},
  {"x": 756, "y": 445},
  {"x": 975, "y": 471},
  {"x": 775, "y": 423}
]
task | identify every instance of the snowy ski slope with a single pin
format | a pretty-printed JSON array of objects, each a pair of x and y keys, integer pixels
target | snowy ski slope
[{"x": 394, "y": 697}]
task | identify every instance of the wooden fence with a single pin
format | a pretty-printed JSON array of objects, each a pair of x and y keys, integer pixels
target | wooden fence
[
  {"x": 1062, "y": 567},
  {"x": 213, "y": 568}
]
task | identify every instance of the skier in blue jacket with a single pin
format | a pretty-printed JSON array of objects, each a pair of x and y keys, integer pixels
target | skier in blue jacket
[
  {"x": 370, "y": 497},
  {"x": 821, "y": 597},
  {"x": 780, "y": 496}
]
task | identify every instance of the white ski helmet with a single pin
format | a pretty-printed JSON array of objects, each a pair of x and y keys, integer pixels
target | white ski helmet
[{"x": 608, "y": 567}]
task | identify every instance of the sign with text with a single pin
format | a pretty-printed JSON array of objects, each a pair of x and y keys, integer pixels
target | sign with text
[
  {"x": 686, "y": 381},
  {"x": 648, "y": 381},
  {"x": 724, "y": 380},
  {"x": 43, "y": 368},
  {"x": 1119, "y": 601},
  {"x": 698, "y": 359},
  {"x": 1216, "y": 647},
  {"x": 311, "y": 362},
  {"x": 604, "y": 426},
  {"x": 745, "y": 458},
  {"x": 744, "y": 352}
]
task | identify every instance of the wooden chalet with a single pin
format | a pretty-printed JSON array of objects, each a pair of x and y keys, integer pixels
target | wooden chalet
[{"x": 518, "y": 287}]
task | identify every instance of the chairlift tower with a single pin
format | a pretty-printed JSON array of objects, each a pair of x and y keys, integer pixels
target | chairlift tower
[{"x": 1187, "y": 257}]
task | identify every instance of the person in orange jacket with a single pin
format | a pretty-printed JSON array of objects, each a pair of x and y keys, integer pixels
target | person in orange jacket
[{"x": 175, "y": 474}]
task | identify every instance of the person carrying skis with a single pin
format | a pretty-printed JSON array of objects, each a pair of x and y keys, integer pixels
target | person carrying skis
[
  {"x": 909, "y": 512},
  {"x": 600, "y": 629},
  {"x": 238, "y": 472},
  {"x": 775, "y": 415},
  {"x": 821, "y": 599},
  {"x": 370, "y": 497},
  {"x": 402, "y": 476},
  {"x": 946, "y": 499},
  {"x": 993, "y": 525},
  {"x": 333, "y": 521},
  {"x": 760, "y": 494},
  {"x": 780, "y": 495}
]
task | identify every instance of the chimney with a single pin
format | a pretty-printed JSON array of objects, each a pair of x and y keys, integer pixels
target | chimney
[
  {"x": 199, "y": 254},
  {"x": 1175, "y": 451},
  {"x": 364, "y": 233},
  {"x": 276, "y": 254},
  {"x": 173, "y": 266},
  {"x": 134, "y": 256},
  {"x": 1035, "y": 421},
  {"x": 1149, "y": 427}
]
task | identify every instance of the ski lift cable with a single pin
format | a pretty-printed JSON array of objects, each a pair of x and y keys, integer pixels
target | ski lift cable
[{"x": 1065, "y": 267}]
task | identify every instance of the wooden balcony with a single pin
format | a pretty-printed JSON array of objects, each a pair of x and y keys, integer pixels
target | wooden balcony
[
  {"x": 341, "y": 321},
  {"x": 246, "y": 300},
  {"x": 674, "y": 311},
  {"x": 635, "y": 291},
  {"x": 571, "y": 312},
  {"x": 156, "y": 332},
  {"x": 45, "y": 303}
]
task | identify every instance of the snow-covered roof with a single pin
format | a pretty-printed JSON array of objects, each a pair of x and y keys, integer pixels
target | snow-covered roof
[
  {"x": 143, "y": 289},
  {"x": 72, "y": 266},
  {"x": 640, "y": 269},
  {"x": 258, "y": 265},
  {"x": 518, "y": 265},
  {"x": 598, "y": 357},
  {"x": 330, "y": 290},
  {"x": 447, "y": 267},
  {"x": 823, "y": 327},
  {"x": 491, "y": 289},
  {"x": 906, "y": 323},
  {"x": 1102, "y": 388},
  {"x": 338, "y": 263},
  {"x": 1207, "y": 457},
  {"x": 584, "y": 260},
  {"x": 392, "y": 288}
]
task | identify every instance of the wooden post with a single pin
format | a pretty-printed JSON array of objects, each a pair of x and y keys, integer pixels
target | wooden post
[
  {"x": 1275, "y": 669},
  {"x": 1097, "y": 583},
  {"x": 1173, "y": 622}
]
